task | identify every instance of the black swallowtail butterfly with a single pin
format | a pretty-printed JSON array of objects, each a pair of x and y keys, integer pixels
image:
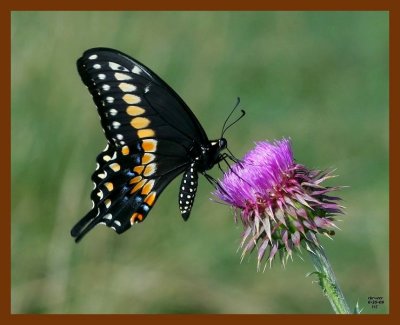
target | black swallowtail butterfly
[{"x": 152, "y": 136}]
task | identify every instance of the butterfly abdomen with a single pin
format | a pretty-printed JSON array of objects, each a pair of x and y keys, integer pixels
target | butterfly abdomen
[{"x": 187, "y": 190}]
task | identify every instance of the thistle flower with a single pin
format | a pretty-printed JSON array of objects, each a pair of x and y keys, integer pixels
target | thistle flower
[{"x": 281, "y": 202}]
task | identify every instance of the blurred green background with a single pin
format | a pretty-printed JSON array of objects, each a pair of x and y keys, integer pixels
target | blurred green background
[{"x": 320, "y": 78}]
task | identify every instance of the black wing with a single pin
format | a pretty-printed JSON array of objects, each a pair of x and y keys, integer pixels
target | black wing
[{"x": 150, "y": 131}]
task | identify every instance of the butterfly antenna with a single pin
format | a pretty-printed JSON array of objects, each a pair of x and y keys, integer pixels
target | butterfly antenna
[{"x": 230, "y": 114}]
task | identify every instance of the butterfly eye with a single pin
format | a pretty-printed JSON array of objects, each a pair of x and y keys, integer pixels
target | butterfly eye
[{"x": 223, "y": 144}]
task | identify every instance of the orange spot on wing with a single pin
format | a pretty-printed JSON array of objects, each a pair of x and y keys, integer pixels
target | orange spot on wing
[
  {"x": 135, "y": 180},
  {"x": 148, "y": 187},
  {"x": 115, "y": 167},
  {"x": 138, "y": 169},
  {"x": 149, "y": 200},
  {"x": 125, "y": 150},
  {"x": 146, "y": 133},
  {"x": 134, "y": 110},
  {"x": 150, "y": 169},
  {"x": 149, "y": 145},
  {"x": 136, "y": 217},
  {"x": 138, "y": 186},
  {"x": 131, "y": 99},
  {"x": 109, "y": 186},
  {"x": 140, "y": 122},
  {"x": 147, "y": 158}
]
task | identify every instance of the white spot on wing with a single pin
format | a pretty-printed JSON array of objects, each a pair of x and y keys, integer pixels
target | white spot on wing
[
  {"x": 121, "y": 76},
  {"x": 113, "y": 111},
  {"x": 110, "y": 99},
  {"x": 136, "y": 70},
  {"x": 108, "y": 216},
  {"x": 93, "y": 57},
  {"x": 106, "y": 87},
  {"x": 116, "y": 66},
  {"x": 102, "y": 76},
  {"x": 97, "y": 66},
  {"x": 117, "y": 223},
  {"x": 100, "y": 194},
  {"x": 116, "y": 125},
  {"x": 126, "y": 87}
]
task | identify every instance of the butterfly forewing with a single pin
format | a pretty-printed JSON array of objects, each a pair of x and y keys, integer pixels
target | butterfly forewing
[{"x": 127, "y": 95}]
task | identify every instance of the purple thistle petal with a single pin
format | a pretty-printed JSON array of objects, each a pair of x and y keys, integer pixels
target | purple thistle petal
[
  {"x": 261, "y": 251},
  {"x": 296, "y": 238},
  {"x": 272, "y": 253}
]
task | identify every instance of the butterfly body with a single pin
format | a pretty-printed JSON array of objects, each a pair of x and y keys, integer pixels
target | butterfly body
[{"x": 152, "y": 136}]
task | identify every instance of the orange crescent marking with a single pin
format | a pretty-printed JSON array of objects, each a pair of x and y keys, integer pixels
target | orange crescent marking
[
  {"x": 138, "y": 186},
  {"x": 135, "y": 180},
  {"x": 147, "y": 188},
  {"x": 149, "y": 200},
  {"x": 147, "y": 158},
  {"x": 136, "y": 216},
  {"x": 150, "y": 169}
]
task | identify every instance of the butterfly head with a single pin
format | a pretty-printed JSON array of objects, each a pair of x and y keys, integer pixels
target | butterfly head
[
  {"x": 213, "y": 153},
  {"x": 222, "y": 144}
]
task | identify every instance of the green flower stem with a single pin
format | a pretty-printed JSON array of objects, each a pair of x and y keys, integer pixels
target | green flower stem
[{"x": 327, "y": 279}]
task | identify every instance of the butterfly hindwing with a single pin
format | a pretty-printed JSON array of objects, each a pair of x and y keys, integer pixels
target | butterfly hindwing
[{"x": 128, "y": 181}]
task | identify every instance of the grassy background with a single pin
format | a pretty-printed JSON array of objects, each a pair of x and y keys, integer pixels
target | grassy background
[{"x": 319, "y": 77}]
